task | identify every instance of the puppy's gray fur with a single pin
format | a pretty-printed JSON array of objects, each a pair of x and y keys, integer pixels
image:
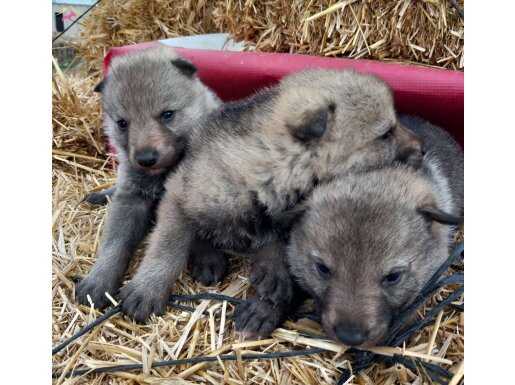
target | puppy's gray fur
[
  {"x": 254, "y": 161},
  {"x": 138, "y": 89},
  {"x": 360, "y": 231}
]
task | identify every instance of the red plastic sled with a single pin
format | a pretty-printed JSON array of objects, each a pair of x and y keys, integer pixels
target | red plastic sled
[{"x": 433, "y": 94}]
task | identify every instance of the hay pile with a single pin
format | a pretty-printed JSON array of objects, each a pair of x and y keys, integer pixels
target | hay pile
[
  {"x": 77, "y": 121},
  {"x": 428, "y": 32},
  {"x": 422, "y": 31},
  {"x": 80, "y": 167}
]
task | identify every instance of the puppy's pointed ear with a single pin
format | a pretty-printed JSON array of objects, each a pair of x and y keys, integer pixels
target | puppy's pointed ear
[
  {"x": 185, "y": 67},
  {"x": 100, "y": 86},
  {"x": 312, "y": 124},
  {"x": 434, "y": 214}
]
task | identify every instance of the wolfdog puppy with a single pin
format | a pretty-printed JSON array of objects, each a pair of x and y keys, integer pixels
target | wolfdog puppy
[
  {"x": 251, "y": 164},
  {"x": 369, "y": 242},
  {"x": 151, "y": 100}
]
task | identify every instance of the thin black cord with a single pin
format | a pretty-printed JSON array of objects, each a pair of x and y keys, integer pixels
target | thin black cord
[
  {"x": 458, "y": 250},
  {"x": 202, "y": 296},
  {"x": 401, "y": 320},
  {"x": 435, "y": 372},
  {"x": 74, "y": 21},
  {"x": 194, "y": 360},
  {"x": 434, "y": 283},
  {"x": 108, "y": 314},
  {"x": 220, "y": 297},
  {"x": 117, "y": 309},
  {"x": 404, "y": 335}
]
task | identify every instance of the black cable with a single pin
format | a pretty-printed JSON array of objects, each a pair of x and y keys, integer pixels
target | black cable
[
  {"x": 204, "y": 296},
  {"x": 75, "y": 21},
  {"x": 406, "y": 333},
  {"x": 398, "y": 336},
  {"x": 458, "y": 250},
  {"x": 115, "y": 310},
  {"x": 434, "y": 283},
  {"x": 108, "y": 314},
  {"x": 194, "y": 360},
  {"x": 220, "y": 297},
  {"x": 435, "y": 372},
  {"x": 401, "y": 320}
]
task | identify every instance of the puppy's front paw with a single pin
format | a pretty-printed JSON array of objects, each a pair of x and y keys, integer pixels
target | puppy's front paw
[
  {"x": 208, "y": 266},
  {"x": 272, "y": 283},
  {"x": 256, "y": 318},
  {"x": 100, "y": 197},
  {"x": 139, "y": 301},
  {"x": 96, "y": 285}
]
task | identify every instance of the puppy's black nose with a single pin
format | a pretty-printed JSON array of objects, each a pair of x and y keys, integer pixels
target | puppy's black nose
[
  {"x": 350, "y": 335},
  {"x": 147, "y": 157}
]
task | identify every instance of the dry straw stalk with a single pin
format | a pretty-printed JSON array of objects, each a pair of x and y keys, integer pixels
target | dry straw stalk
[{"x": 426, "y": 32}]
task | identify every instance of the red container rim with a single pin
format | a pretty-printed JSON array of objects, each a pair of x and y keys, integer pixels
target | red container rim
[{"x": 431, "y": 93}]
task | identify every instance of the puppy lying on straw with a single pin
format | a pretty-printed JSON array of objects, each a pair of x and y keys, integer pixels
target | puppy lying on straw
[{"x": 368, "y": 243}]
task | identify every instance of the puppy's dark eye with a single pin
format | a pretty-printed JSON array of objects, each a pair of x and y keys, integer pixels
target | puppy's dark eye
[
  {"x": 393, "y": 278},
  {"x": 388, "y": 134},
  {"x": 166, "y": 116},
  {"x": 322, "y": 269},
  {"x": 122, "y": 124}
]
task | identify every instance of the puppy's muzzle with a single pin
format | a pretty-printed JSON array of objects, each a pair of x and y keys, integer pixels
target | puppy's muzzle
[{"x": 147, "y": 157}]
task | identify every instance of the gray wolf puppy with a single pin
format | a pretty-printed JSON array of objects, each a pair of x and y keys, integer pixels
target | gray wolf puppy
[
  {"x": 251, "y": 164},
  {"x": 369, "y": 242},
  {"x": 150, "y": 100}
]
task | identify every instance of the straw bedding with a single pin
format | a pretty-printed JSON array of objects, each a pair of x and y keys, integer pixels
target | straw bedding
[
  {"x": 81, "y": 164},
  {"x": 420, "y": 31}
]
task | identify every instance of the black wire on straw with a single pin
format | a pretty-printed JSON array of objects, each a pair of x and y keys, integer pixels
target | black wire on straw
[
  {"x": 202, "y": 296},
  {"x": 117, "y": 309},
  {"x": 108, "y": 314},
  {"x": 404, "y": 335},
  {"x": 434, "y": 283},
  {"x": 364, "y": 359},
  {"x": 195, "y": 360}
]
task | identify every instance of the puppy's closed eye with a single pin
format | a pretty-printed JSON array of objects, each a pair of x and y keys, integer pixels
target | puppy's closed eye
[
  {"x": 392, "y": 278},
  {"x": 323, "y": 269},
  {"x": 388, "y": 134}
]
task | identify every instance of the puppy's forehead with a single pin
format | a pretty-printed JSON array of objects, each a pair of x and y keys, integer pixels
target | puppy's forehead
[
  {"x": 372, "y": 243},
  {"x": 370, "y": 217},
  {"x": 146, "y": 84},
  {"x": 368, "y": 100},
  {"x": 363, "y": 100}
]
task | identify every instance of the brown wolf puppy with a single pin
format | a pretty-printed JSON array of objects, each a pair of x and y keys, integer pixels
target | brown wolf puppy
[
  {"x": 151, "y": 100},
  {"x": 255, "y": 160},
  {"x": 369, "y": 242}
]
